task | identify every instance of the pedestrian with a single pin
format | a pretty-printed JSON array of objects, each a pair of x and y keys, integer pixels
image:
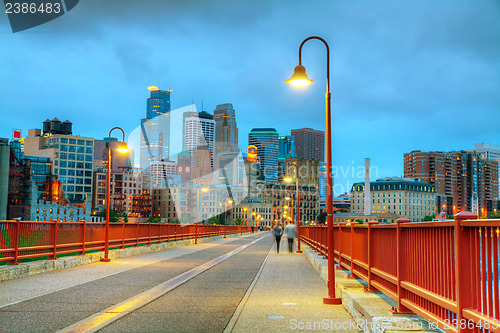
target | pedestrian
[
  {"x": 290, "y": 229},
  {"x": 277, "y": 232}
]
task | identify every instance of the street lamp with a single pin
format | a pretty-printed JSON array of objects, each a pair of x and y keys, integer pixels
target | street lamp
[
  {"x": 203, "y": 189},
  {"x": 241, "y": 221},
  {"x": 297, "y": 213},
  {"x": 225, "y": 210},
  {"x": 300, "y": 79},
  {"x": 122, "y": 148}
]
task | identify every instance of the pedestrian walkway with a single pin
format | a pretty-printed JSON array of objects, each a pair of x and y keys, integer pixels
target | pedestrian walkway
[
  {"x": 12, "y": 291},
  {"x": 288, "y": 297}
]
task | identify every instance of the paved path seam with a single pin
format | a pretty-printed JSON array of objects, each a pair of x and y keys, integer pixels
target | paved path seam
[{"x": 115, "y": 312}]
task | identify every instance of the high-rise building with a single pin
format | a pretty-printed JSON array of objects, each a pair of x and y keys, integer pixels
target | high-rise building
[
  {"x": 462, "y": 180},
  {"x": 202, "y": 167},
  {"x": 309, "y": 143},
  {"x": 155, "y": 128},
  {"x": 72, "y": 157},
  {"x": 226, "y": 130},
  {"x": 4, "y": 176},
  {"x": 266, "y": 141},
  {"x": 199, "y": 127},
  {"x": 227, "y": 162},
  {"x": 286, "y": 147},
  {"x": 161, "y": 171},
  {"x": 119, "y": 160},
  {"x": 184, "y": 165},
  {"x": 489, "y": 152}
]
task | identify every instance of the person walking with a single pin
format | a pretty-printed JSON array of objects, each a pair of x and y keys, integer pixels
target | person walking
[
  {"x": 290, "y": 230},
  {"x": 277, "y": 232}
]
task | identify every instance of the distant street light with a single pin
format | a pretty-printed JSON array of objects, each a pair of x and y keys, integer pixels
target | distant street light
[
  {"x": 225, "y": 210},
  {"x": 203, "y": 189},
  {"x": 300, "y": 79},
  {"x": 122, "y": 148},
  {"x": 297, "y": 213}
]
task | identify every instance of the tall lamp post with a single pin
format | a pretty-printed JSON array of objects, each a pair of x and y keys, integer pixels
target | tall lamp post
[
  {"x": 297, "y": 213},
  {"x": 203, "y": 189},
  {"x": 225, "y": 210},
  {"x": 122, "y": 148},
  {"x": 300, "y": 79}
]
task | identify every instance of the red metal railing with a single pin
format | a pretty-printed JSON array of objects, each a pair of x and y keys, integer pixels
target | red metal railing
[
  {"x": 446, "y": 272},
  {"x": 27, "y": 239}
]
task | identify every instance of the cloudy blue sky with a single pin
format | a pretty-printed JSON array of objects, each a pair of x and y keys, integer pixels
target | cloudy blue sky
[{"x": 405, "y": 74}]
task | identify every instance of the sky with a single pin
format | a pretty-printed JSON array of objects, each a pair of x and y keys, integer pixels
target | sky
[{"x": 405, "y": 75}]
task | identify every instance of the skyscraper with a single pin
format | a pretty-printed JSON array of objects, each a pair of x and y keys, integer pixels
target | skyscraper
[
  {"x": 462, "y": 180},
  {"x": 286, "y": 146},
  {"x": 226, "y": 130},
  {"x": 155, "y": 128},
  {"x": 309, "y": 143},
  {"x": 490, "y": 152},
  {"x": 266, "y": 141},
  {"x": 199, "y": 127},
  {"x": 227, "y": 157}
]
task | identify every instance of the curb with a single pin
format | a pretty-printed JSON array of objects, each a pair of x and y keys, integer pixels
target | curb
[
  {"x": 11, "y": 272},
  {"x": 370, "y": 310}
]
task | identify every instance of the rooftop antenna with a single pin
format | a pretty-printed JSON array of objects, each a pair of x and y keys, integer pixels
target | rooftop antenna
[{"x": 202, "y": 105}]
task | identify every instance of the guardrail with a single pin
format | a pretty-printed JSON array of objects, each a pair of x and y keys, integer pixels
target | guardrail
[
  {"x": 446, "y": 272},
  {"x": 27, "y": 239}
]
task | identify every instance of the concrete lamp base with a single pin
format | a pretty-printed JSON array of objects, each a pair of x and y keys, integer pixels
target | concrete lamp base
[{"x": 332, "y": 301}]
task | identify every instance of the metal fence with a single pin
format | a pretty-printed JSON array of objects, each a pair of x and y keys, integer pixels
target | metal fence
[
  {"x": 27, "y": 239},
  {"x": 446, "y": 272}
]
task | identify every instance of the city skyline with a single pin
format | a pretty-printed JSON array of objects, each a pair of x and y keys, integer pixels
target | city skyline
[{"x": 404, "y": 77}]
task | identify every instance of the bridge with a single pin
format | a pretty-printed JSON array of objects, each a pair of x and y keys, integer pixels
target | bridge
[{"x": 232, "y": 280}]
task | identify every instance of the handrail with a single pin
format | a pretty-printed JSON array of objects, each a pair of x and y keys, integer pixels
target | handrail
[
  {"x": 447, "y": 272},
  {"x": 41, "y": 239}
]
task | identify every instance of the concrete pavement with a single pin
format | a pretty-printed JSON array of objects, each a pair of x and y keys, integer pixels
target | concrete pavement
[{"x": 288, "y": 297}]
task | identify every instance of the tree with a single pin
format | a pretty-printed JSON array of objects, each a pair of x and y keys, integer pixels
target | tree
[
  {"x": 321, "y": 218},
  {"x": 114, "y": 215},
  {"x": 152, "y": 219},
  {"x": 125, "y": 218},
  {"x": 218, "y": 219},
  {"x": 429, "y": 218},
  {"x": 493, "y": 215},
  {"x": 360, "y": 221}
]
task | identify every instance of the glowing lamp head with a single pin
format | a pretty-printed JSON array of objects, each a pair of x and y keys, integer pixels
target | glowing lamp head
[
  {"x": 287, "y": 179},
  {"x": 230, "y": 201},
  {"x": 122, "y": 148},
  {"x": 299, "y": 77},
  {"x": 204, "y": 189}
]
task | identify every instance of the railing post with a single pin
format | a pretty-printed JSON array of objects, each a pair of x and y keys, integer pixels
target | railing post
[
  {"x": 340, "y": 245},
  {"x": 159, "y": 233},
  {"x": 351, "y": 274},
  {"x": 83, "y": 227},
  {"x": 137, "y": 235},
  {"x": 400, "y": 263},
  {"x": 149, "y": 233},
  {"x": 53, "y": 238},
  {"x": 123, "y": 235},
  {"x": 15, "y": 240},
  {"x": 462, "y": 269},
  {"x": 370, "y": 243}
]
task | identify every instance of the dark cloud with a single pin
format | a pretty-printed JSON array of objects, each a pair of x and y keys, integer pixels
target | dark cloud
[{"x": 405, "y": 74}]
